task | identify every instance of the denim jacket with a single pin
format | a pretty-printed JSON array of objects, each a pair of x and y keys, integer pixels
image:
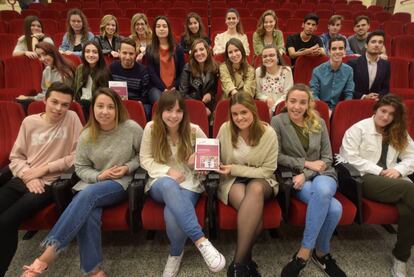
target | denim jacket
[{"x": 67, "y": 45}]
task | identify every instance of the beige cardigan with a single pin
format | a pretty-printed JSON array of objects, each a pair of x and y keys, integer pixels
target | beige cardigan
[
  {"x": 246, "y": 83},
  {"x": 262, "y": 160}
]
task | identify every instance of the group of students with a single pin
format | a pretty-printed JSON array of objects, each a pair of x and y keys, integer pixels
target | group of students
[
  {"x": 153, "y": 66},
  {"x": 151, "y": 63},
  {"x": 108, "y": 150}
]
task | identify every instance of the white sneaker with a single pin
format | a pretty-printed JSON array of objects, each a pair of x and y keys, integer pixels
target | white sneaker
[
  {"x": 173, "y": 266},
  {"x": 399, "y": 268},
  {"x": 214, "y": 259}
]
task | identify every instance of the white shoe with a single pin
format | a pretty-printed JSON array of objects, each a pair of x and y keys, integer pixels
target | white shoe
[
  {"x": 172, "y": 266},
  {"x": 399, "y": 268},
  {"x": 214, "y": 259}
]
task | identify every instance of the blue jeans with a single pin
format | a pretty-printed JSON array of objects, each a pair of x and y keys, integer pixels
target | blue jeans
[
  {"x": 323, "y": 212},
  {"x": 82, "y": 219},
  {"x": 154, "y": 94},
  {"x": 179, "y": 213}
]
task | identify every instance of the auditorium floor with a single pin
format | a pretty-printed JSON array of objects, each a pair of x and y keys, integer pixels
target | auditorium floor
[{"x": 360, "y": 251}]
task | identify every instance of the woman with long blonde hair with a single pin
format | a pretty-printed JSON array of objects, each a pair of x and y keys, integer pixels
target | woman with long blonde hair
[
  {"x": 109, "y": 38},
  {"x": 141, "y": 33},
  {"x": 167, "y": 153},
  {"x": 383, "y": 151},
  {"x": 304, "y": 147}
]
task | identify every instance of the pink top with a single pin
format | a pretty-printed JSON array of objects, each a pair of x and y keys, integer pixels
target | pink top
[{"x": 39, "y": 143}]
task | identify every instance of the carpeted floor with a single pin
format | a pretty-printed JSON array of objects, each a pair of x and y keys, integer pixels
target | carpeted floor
[{"x": 360, "y": 250}]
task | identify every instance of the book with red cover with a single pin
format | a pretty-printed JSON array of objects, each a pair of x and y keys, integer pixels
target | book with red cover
[
  {"x": 207, "y": 154},
  {"x": 119, "y": 87}
]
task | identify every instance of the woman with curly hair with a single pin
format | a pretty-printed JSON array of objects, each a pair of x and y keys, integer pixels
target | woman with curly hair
[{"x": 381, "y": 148}]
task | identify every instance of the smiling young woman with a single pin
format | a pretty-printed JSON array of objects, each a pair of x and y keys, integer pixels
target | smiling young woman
[
  {"x": 109, "y": 39},
  {"x": 200, "y": 75},
  {"x": 268, "y": 33}
]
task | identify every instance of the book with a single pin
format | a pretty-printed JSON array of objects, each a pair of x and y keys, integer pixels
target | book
[
  {"x": 119, "y": 87},
  {"x": 207, "y": 154}
]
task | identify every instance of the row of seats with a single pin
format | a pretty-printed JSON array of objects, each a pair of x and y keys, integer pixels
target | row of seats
[{"x": 221, "y": 216}]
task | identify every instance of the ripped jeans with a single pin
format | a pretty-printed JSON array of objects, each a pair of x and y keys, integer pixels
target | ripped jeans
[{"x": 82, "y": 219}]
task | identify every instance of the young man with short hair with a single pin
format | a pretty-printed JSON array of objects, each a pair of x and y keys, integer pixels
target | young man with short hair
[
  {"x": 128, "y": 70},
  {"x": 371, "y": 74},
  {"x": 333, "y": 80},
  {"x": 44, "y": 148},
  {"x": 358, "y": 41},
  {"x": 334, "y": 27},
  {"x": 305, "y": 43}
]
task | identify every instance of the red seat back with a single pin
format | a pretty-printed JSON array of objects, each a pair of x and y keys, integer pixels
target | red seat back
[
  {"x": 403, "y": 46},
  {"x": 196, "y": 112},
  {"x": 399, "y": 72},
  {"x": 222, "y": 113},
  {"x": 320, "y": 106},
  {"x": 304, "y": 67},
  {"x": 346, "y": 114},
  {"x": 22, "y": 72},
  {"x": 136, "y": 112},
  {"x": 39, "y": 107},
  {"x": 7, "y": 44},
  {"x": 11, "y": 117}
]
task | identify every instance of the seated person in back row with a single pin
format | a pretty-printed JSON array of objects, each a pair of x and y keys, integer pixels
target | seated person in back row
[
  {"x": 358, "y": 41},
  {"x": 371, "y": 74},
  {"x": 334, "y": 27},
  {"x": 333, "y": 80},
  {"x": 135, "y": 74},
  {"x": 305, "y": 43}
]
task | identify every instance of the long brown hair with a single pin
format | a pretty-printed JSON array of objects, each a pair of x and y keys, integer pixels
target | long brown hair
[
  {"x": 256, "y": 129},
  {"x": 63, "y": 66},
  {"x": 395, "y": 133},
  {"x": 311, "y": 118},
  {"x": 154, "y": 49},
  {"x": 260, "y": 24},
  {"x": 99, "y": 73},
  {"x": 210, "y": 64},
  {"x": 85, "y": 26},
  {"x": 239, "y": 26},
  {"x": 121, "y": 113},
  {"x": 244, "y": 65},
  {"x": 27, "y": 30},
  {"x": 189, "y": 37},
  {"x": 160, "y": 148}
]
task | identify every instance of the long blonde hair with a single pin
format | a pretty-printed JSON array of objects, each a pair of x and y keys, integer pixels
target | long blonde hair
[
  {"x": 104, "y": 21},
  {"x": 160, "y": 148},
  {"x": 256, "y": 129},
  {"x": 148, "y": 31},
  {"x": 311, "y": 118}
]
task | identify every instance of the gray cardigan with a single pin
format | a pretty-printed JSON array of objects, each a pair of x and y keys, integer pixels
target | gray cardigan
[
  {"x": 119, "y": 146},
  {"x": 291, "y": 152}
]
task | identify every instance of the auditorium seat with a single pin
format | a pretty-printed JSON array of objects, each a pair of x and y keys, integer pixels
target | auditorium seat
[
  {"x": 403, "y": 17},
  {"x": 304, "y": 67},
  {"x": 7, "y": 44},
  {"x": 403, "y": 46},
  {"x": 16, "y": 67},
  {"x": 368, "y": 212},
  {"x": 393, "y": 28},
  {"x": 399, "y": 72},
  {"x": 39, "y": 107}
]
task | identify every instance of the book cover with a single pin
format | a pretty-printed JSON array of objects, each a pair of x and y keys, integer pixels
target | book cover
[
  {"x": 207, "y": 154},
  {"x": 119, "y": 87}
]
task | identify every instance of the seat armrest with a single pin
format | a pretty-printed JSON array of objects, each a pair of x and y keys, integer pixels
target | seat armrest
[
  {"x": 211, "y": 184},
  {"x": 284, "y": 177},
  {"x": 62, "y": 189},
  {"x": 5, "y": 175},
  {"x": 350, "y": 185},
  {"x": 136, "y": 198}
]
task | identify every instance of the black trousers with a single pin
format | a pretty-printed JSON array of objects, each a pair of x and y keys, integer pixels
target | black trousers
[{"x": 16, "y": 205}]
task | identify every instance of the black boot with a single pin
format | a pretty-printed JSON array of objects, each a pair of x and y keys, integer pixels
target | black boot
[
  {"x": 253, "y": 269},
  {"x": 238, "y": 270}
]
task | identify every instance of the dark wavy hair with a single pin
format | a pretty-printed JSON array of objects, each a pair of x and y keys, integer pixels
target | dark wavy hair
[
  {"x": 99, "y": 73},
  {"x": 395, "y": 133}
]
